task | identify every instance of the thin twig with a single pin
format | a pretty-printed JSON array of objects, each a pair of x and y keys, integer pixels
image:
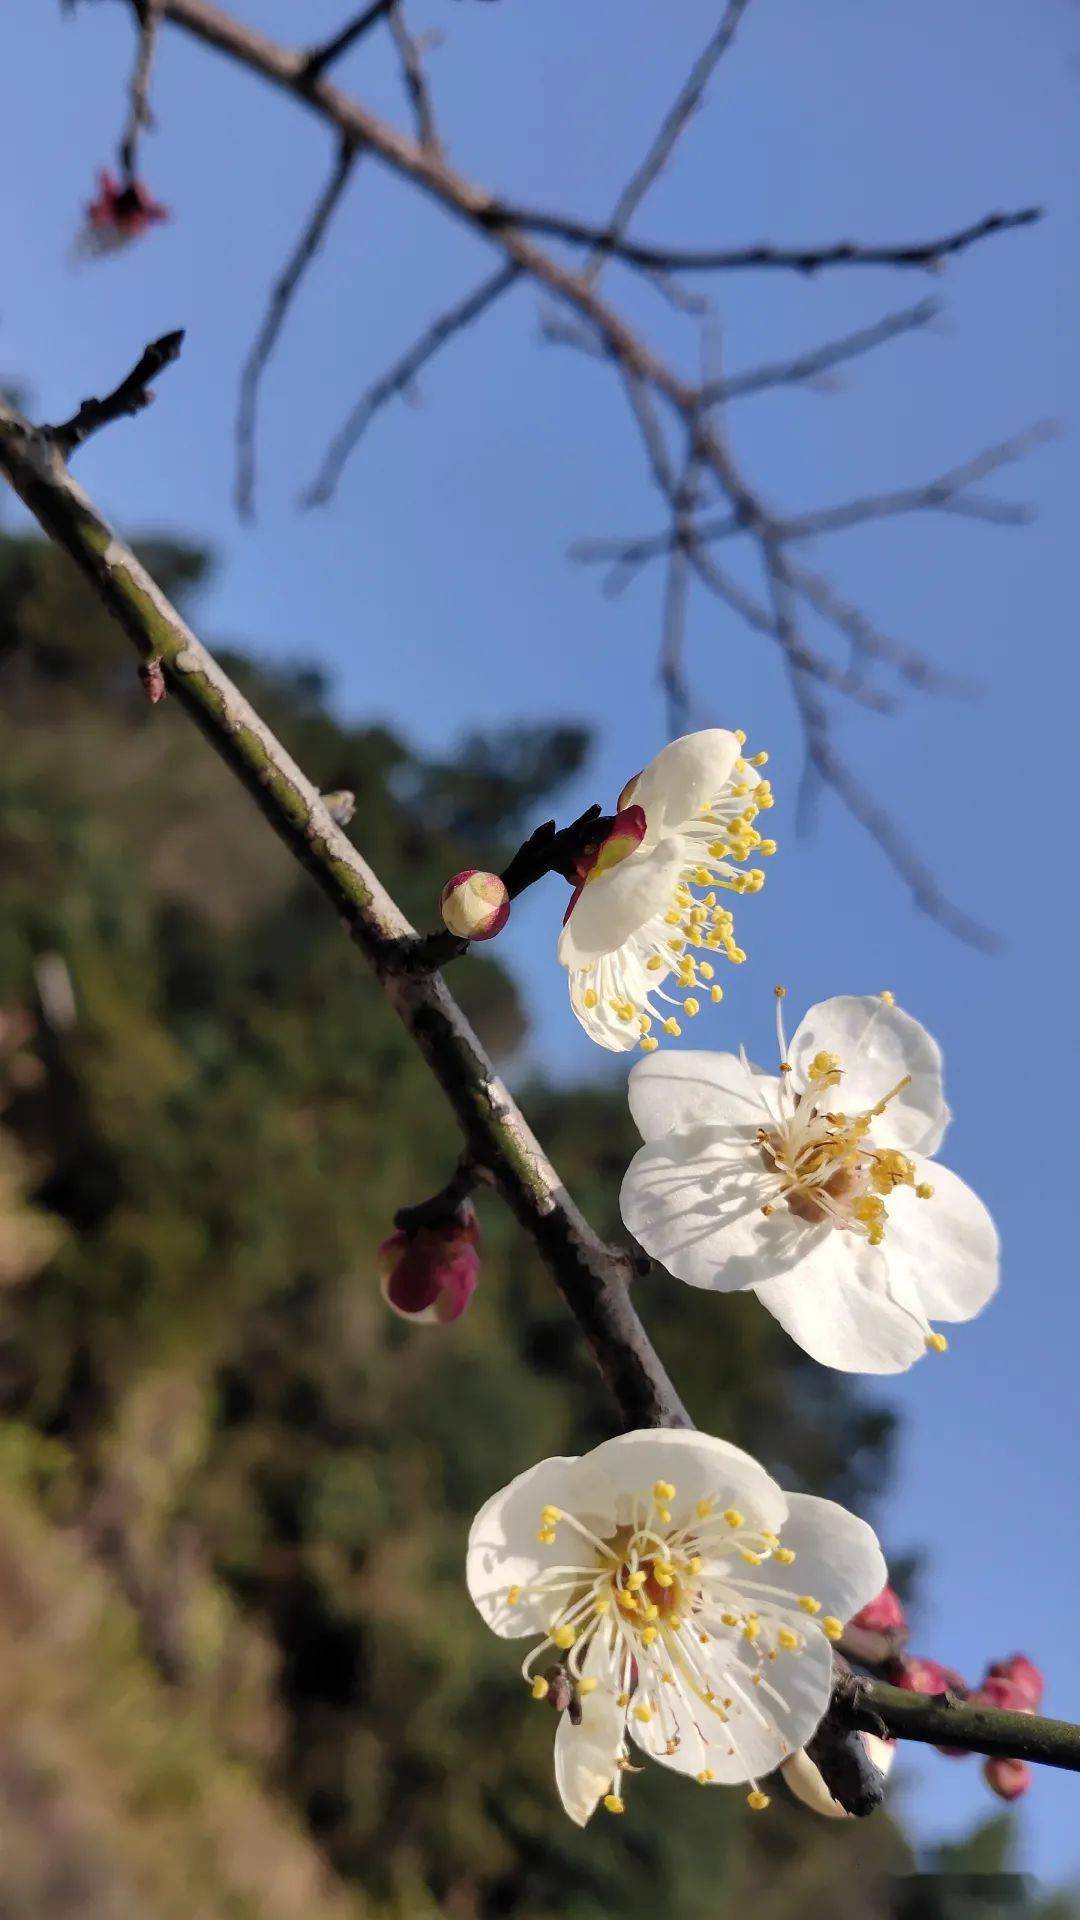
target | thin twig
[
  {"x": 949, "y": 492},
  {"x": 399, "y": 377},
  {"x": 318, "y": 59},
  {"x": 803, "y": 368},
  {"x": 928, "y": 254},
  {"x": 416, "y": 85},
  {"x": 147, "y": 19},
  {"x": 281, "y": 297},
  {"x": 673, "y": 125},
  {"x": 869, "y": 641},
  {"x": 131, "y": 396}
]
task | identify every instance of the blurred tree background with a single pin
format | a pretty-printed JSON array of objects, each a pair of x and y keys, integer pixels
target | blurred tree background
[{"x": 239, "y": 1672}]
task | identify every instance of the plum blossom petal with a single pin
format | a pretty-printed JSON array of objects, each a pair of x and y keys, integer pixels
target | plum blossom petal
[
  {"x": 648, "y": 917},
  {"x": 587, "y": 1755},
  {"x": 807, "y": 1188}
]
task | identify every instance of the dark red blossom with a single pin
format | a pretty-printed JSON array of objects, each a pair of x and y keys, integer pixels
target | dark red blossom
[
  {"x": 431, "y": 1273},
  {"x": 121, "y": 212}
]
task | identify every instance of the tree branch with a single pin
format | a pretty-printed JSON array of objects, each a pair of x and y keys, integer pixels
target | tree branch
[
  {"x": 319, "y": 58},
  {"x": 281, "y": 296},
  {"x": 940, "y": 1721},
  {"x": 131, "y": 396},
  {"x": 806, "y": 367},
  {"x": 590, "y": 1275},
  {"x": 147, "y": 15}
]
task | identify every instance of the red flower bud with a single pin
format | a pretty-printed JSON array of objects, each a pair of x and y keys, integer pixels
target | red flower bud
[
  {"x": 120, "y": 213},
  {"x": 1023, "y": 1676},
  {"x": 1007, "y": 1778},
  {"x": 996, "y": 1691},
  {"x": 917, "y": 1674},
  {"x": 883, "y": 1615},
  {"x": 430, "y": 1273},
  {"x": 475, "y": 905},
  {"x": 153, "y": 680}
]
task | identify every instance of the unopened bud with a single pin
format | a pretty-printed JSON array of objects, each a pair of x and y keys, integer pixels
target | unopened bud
[
  {"x": 807, "y": 1782},
  {"x": 1023, "y": 1675},
  {"x": 340, "y": 805},
  {"x": 153, "y": 680},
  {"x": 475, "y": 905},
  {"x": 883, "y": 1615},
  {"x": 429, "y": 1274},
  {"x": 917, "y": 1674},
  {"x": 1007, "y": 1778}
]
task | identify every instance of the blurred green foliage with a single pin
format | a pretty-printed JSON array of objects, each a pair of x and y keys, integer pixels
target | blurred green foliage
[{"x": 253, "y": 1484}]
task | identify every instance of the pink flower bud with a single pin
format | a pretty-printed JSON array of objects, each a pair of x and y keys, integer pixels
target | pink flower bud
[
  {"x": 917, "y": 1674},
  {"x": 120, "y": 213},
  {"x": 1007, "y": 1778},
  {"x": 475, "y": 905},
  {"x": 996, "y": 1691},
  {"x": 883, "y": 1615},
  {"x": 1024, "y": 1677},
  {"x": 430, "y": 1273}
]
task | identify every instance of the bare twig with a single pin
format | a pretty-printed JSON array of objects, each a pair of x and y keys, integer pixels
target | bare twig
[
  {"x": 674, "y": 123},
  {"x": 416, "y": 85},
  {"x": 281, "y": 296},
  {"x": 147, "y": 18},
  {"x": 318, "y": 59},
  {"x": 868, "y": 640},
  {"x": 928, "y": 254},
  {"x": 948, "y": 493},
  {"x": 131, "y": 396},
  {"x": 804, "y": 368},
  {"x": 399, "y": 377}
]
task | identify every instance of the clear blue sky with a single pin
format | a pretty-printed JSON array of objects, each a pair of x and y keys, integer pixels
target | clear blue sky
[{"x": 437, "y": 590}]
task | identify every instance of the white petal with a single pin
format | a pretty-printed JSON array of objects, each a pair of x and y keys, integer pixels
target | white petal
[
  {"x": 807, "y": 1785},
  {"x": 848, "y": 1306},
  {"x": 838, "y": 1559},
  {"x": 615, "y": 904},
  {"x": 761, "y": 1731},
  {"x": 503, "y": 1550},
  {"x": 694, "y": 1201},
  {"x": 585, "y": 1755},
  {"x": 685, "y": 776},
  {"x": 947, "y": 1246},
  {"x": 682, "y": 1720},
  {"x": 696, "y": 1465},
  {"x": 674, "y": 1091},
  {"x": 878, "y": 1044}
]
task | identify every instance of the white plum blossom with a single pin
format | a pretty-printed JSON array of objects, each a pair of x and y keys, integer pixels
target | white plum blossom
[
  {"x": 678, "y": 1599},
  {"x": 813, "y": 1188},
  {"x": 649, "y": 897}
]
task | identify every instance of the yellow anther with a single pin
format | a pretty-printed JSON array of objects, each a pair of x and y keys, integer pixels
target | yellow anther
[
  {"x": 780, "y": 992},
  {"x": 690, "y": 1007},
  {"x": 663, "y": 1490},
  {"x": 651, "y": 1612},
  {"x": 671, "y": 918},
  {"x": 655, "y": 963},
  {"x": 695, "y": 1565},
  {"x": 705, "y": 1776},
  {"x": 924, "y": 1191},
  {"x": 825, "y": 1066},
  {"x": 888, "y": 997},
  {"x": 513, "y": 1596},
  {"x": 648, "y": 1635},
  {"x": 730, "y": 1619},
  {"x": 937, "y": 1343},
  {"x": 589, "y": 997},
  {"x": 716, "y": 994},
  {"x": 766, "y": 848},
  {"x": 672, "y": 1027},
  {"x": 752, "y": 1559},
  {"x": 663, "y": 1514},
  {"x": 705, "y": 1507},
  {"x": 758, "y": 1800},
  {"x": 644, "y": 1714},
  {"x": 549, "y": 1515},
  {"x": 733, "y": 1517},
  {"x": 602, "y": 1603},
  {"x": 546, "y": 1536},
  {"x": 539, "y": 1688},
  {"x": 623, "y": 1700},
  {"x": 636, "y": 1579},
  {"x": 831, "y": 1627},
  {"x": 771, "y": 1539},
  {"x": 809, "y": 1604},
  {"x": 627, "y": 1601},
  {"x": 564, "y": 1637},
  {"x": 788, "y": 1639},
  {"x": 740, "y": 736},
  {"x": 785, "y": 1555},
  {"x": 587, "y": 1686},
  {"x": 760, "y": 760},
  {"x": 751, "y": 1631},
  {"x": 613, "y": 1803},
  {"x": 648, "y": 1044},
  {"x": 663, "y": 1579}
]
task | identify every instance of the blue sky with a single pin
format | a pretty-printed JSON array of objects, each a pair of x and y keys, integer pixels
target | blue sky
[{"x": 437, "y": 590}]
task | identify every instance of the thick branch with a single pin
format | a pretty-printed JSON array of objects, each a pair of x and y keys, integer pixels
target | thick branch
[
  {"x": 590, "y": 1275},
  {"x": 940, "y": 1721}
]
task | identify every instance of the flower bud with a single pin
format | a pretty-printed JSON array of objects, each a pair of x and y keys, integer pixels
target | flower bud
[
  {"x": 475, "y": 905},
  {"x": 430, "y": 1274},
  {"x": 1024, "y": 1677},
  {"x": 807, "y": 1782},
  {"x": 917, "y": 1674},
  {"x": 996, "y": 1691},
  {"x": 883, "y": 1615},
  {"x": 1007, "y": 1778}
]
